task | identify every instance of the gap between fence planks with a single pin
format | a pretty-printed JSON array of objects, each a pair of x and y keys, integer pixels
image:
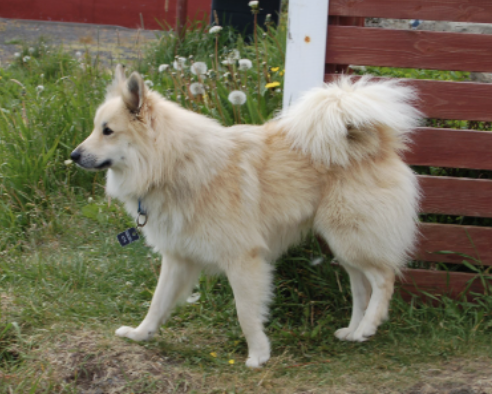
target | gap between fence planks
[
  {"x": 479, "y": 11},
  {"x": 404, "y": 48}
]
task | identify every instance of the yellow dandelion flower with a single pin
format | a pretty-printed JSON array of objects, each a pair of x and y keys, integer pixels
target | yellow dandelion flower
[
  {"x": 213, "y": 354},
  {"x": 281, "y": 72},
  {"x": 275, "y": 69},
  {"x": 231, "y": 362},
  {"x": 272, "y": 85}
]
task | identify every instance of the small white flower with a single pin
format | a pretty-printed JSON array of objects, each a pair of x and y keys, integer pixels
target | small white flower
[
  {"x": 68, "y": 162},
  {"x": 39, "y": 88},
  {"x": 192, "y": 299},
  {"x": 236, "y": 97},
  {"x": 163, "y": 67},
  {"x": 90, "y": 199},
  {"x": 199, "y": 68},
  {"x": 215, "y": 29},
  {"x": 253, "y": 4},
  {"x": 149, "y": 83},
  {"x": 196, "y": 88},
  {"x": 234, "y": 54},
  {"x": 17, "y": 55},
  {"x": 317, "y": 261},
  {"x": 78, "y": 54},
  {"x": 245, "y": 64},
  {"x": 179, "y": 63},
  {"x": 31, "y": 50},
  {"x": 25, "y": 59}
]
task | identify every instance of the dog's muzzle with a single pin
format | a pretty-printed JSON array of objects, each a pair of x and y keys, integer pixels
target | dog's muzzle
[{"x": 88, "y": 161}]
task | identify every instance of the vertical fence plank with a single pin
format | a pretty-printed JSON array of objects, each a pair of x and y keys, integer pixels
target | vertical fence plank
[{"x": 306, "y": 46}]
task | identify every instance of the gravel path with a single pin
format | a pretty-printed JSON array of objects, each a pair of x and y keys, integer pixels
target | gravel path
[{"x": 113, "y": 43}]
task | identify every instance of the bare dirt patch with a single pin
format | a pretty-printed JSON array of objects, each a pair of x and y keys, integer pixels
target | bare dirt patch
[{"x": 98, "y": 365}]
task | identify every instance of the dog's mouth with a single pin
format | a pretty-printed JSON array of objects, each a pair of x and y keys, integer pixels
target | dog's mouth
[{"x": 104, "y": 165}]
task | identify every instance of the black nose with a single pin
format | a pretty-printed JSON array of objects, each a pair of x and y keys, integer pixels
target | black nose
[{"x": 75, "y": 155}]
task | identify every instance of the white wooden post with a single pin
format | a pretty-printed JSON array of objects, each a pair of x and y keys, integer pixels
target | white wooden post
[{"x": 306, "y": 47}]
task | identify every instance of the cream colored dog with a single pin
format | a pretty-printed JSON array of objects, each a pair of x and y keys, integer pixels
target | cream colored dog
[{"x": 234, "y": 199}]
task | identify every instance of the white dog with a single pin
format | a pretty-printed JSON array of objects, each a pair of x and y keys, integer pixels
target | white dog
[{"x": 234, "y": 199}]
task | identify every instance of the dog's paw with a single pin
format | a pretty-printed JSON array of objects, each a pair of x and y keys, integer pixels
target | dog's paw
[
  {"x": 344, "y": 334},
  {"x": 134, "y": 333},
  {"x": 363, "y": 333},
  {"x": 257, "y": 360}
]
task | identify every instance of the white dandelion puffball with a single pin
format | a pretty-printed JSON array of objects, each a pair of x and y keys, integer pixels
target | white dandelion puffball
[
  {"x": 236, "y": 97},
  {"x": 245, "y": 64},
  {"x": 253, "y": 4},
  {"x": 179, "y": 63},
  {"x": 196, "y": 88},
  {"x": 215, "y": 29},
  {"x": 78, "y": 54},
  {"x": 17, "y": 55},
  {"x": 234, "y": 54},
  {"x": 163, "y": 67},
  {"x": 25, "y": 59},
  {"x": 31, "y": 50},
  {"x": 149, "y": 83},
  {"x": 228, "y": 61},
  {"x": 39, "y": 88},
  {"x": 199, "y": 68}
]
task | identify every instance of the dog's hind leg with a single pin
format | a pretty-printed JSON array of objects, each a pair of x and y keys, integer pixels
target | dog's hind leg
[
  {"x": 361, "y": 293},
  {"x": 382, "y": 280},
  {"x": 251, "y": 282},
  {"x": 176, "y": 280}
]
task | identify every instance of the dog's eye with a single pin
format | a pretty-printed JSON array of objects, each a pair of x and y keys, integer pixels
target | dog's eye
[{"x": 107, "y": 131}]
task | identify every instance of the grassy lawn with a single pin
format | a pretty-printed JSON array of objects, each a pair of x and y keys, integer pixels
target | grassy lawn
[{"x": 66, "y": 285}]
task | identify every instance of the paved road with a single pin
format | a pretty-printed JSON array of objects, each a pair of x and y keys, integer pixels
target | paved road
[{"x": 112, "y": 42}]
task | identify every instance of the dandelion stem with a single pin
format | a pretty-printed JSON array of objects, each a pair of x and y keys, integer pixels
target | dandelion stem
[{"x": 257, "y": 55}]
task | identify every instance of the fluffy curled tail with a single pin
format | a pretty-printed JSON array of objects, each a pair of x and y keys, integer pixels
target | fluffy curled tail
[{"x": 349, "y": 120}]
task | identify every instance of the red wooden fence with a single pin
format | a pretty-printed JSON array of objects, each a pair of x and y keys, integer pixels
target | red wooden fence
[
  {"x": 128, "y": 13},
  {"x": 349, "y": 42}
]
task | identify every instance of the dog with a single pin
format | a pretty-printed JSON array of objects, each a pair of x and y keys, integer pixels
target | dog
[{"x": 233, "y": 199}]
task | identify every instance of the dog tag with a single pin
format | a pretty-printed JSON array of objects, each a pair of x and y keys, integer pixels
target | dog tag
[{"x": 127, "y": 237}]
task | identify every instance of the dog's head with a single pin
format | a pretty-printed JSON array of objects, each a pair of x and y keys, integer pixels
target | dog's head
[{"x": 117, "y": 126}]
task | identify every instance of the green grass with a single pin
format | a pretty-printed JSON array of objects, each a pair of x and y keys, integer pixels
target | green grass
[{"x": 66, "y": 285}]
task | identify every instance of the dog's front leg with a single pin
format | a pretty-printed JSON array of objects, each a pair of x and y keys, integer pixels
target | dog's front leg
[
  {"x": 251, "y": 281},
  {"x": 176, "y": 280}
]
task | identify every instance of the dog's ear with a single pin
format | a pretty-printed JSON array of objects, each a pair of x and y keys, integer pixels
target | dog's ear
[
  {"x": 134, "y": 92},
  {"x": 119, "y": 74},
  {"x": 116, "y": 86}
]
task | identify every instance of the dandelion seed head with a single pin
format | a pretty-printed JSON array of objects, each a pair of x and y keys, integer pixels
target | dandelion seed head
[
  {"x": 39, "y": 88},
  {"x": 163, "y": 67},
  {"x": 25, "y": 59},
  {"x": 245, "y": 64},
  {"x": 196, "y": 88},
  {"x": 179, "y": 63},
  {"x": 149, "y": 83},
  {"x": 215, "y": 29},
  {"x": 236, "y": 97},
  {"x": 253, "y": 4},
  {"x": 31, "y": 50},
  {"x": 199, "y": 68},
  {"x": 17, "y": 55}
]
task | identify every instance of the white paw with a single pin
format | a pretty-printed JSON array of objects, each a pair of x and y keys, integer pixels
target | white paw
[
  {"x": 344, "y": 333},
  {"x": 136, "y": 334},
  {"x": 363, "y": 333},
  {"x": 257, "y": 360}
]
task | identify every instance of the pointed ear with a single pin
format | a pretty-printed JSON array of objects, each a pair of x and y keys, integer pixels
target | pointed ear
[
  {"x": 119, "y": 74},
  {"x": 115, "y": 88},
  {"x": 134, "y": 92}
]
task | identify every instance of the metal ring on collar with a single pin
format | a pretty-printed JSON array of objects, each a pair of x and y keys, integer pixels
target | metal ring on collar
[{"x": 138, "y": 220}]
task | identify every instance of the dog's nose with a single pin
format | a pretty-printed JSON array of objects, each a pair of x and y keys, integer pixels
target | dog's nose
[{"x": 75, "y": 155}]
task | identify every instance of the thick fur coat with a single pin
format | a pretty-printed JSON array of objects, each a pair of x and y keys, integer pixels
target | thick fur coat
[{"x": 234, "y": 199}]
